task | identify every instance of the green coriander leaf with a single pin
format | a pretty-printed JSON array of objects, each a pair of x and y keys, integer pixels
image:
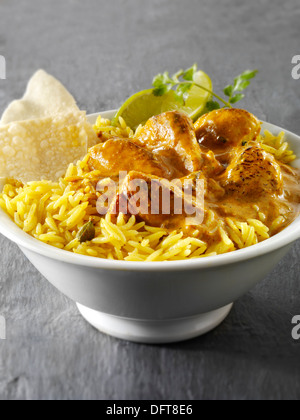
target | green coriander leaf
[
  {"x": 161, "y": 90},
  {"x": 228, "y": 91},
  {"x": 237, "y": 98},
  {"x": 242, "y": 81},
  {"x": 241, "y": 84},
  {"x": 183, "y": 91},
  {"x": 158, "y": 80},
  {"x": 161, "y": 80},
  {"x": 184, "y": 88},
  {"x": 177, "y": 76},
  {"x": 167, "y": 79},
  {"x": 212, "y": 106},
  {"x": 190, "y": 73},
  {"x": 237, "y": 80},
  {"x": 249, "y": 74}
]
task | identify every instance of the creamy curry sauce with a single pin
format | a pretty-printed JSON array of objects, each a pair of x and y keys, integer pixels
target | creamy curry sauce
[{"x": 241, "y": 179}]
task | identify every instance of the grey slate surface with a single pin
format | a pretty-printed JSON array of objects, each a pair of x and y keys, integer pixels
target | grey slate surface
[{"x": 104, "y": 51}]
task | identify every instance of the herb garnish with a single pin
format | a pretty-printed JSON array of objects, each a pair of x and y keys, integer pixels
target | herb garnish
[{"x": 183, "y": 81}]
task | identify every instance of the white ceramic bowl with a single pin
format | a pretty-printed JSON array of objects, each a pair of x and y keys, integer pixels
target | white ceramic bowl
[{"x": 156, "y": 302}]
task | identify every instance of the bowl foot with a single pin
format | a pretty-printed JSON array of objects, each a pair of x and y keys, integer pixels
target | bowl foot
[{"x": 155, "y": 332}]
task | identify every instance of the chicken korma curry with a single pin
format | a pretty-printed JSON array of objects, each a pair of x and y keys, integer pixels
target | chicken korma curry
[
  {"x": 223, "y": 148},
  {"x": 57, "y": 169}
]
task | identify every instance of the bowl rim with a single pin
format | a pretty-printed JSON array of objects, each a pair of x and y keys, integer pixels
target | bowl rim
[{"x": 286, "y": 237}]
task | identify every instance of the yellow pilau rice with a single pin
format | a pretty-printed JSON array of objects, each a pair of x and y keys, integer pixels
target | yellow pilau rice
[{"x": 55, "y": 212}]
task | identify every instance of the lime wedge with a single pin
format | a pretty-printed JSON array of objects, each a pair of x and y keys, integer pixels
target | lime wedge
[
  {"x": 139, "y": 108},
  {"x": 144, "y": 105}
]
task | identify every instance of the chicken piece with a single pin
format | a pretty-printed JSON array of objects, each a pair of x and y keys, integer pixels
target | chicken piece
[
  {"x": 210, "y": 166},
  {"x": 172, "y": 135},
  {"x": 158, "y": 202},
  {"x": 253, "y": 173},
  {"x": 117, "y": 155},
  {"x": 225, "y": 129}
]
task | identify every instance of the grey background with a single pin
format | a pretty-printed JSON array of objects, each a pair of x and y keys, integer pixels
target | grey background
[{"x": 103, "y": 51}]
